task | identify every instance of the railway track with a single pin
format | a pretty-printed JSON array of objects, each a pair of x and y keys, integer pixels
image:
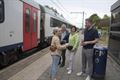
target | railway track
[
  {"x": 11, "y": 70},
  {"x": 23, "y": 55}
]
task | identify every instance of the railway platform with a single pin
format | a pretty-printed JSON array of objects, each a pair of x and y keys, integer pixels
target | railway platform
[{"x": 36, "y": 67}]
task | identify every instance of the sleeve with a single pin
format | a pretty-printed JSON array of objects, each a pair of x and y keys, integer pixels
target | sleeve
[
  {"x": 96, "y": 35},
  {"x": 58, "y": 45},
  {"x": 66, "y": 38},
  {"x": 76, "y": 42}
]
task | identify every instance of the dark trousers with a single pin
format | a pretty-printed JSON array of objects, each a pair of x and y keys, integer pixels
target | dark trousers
[{"x": 63, "y": 58}]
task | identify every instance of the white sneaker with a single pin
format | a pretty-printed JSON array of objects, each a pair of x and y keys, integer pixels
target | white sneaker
[
  {"x": 69, "y": 72},
  {"x": 55, "y": 79},
  {"x": 79, "y": 74},
  {"x": 88, "y": 78}
]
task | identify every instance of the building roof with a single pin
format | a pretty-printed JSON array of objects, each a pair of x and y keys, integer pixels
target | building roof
[{"x": 115, "y": 5}]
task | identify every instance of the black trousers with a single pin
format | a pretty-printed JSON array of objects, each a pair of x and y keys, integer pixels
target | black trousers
[{"x": 63, "y": 58}]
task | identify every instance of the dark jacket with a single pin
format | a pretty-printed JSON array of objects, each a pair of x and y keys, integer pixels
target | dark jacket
[{"x": 66, "y": 38}]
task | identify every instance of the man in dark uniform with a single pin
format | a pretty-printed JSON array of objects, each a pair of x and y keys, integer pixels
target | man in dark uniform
[
  {"x": 91, "y": 37},
  {"x": 64, "y": 39}
]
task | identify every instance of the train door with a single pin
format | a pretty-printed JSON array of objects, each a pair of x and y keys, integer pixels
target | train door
[
  {"x": 42, "y": 31},
  {"x": 34, "y": 27},
  {"x": 29, "y": 27}
]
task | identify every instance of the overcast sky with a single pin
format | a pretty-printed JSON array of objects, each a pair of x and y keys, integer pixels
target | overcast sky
[{"x": 65, "y": 7}]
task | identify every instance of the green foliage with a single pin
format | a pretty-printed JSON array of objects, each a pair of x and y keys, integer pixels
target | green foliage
[
  {"x": 106, "y": 17},
  {"x": 100, "y": 23},
  {"x": 95, "y": 18}
]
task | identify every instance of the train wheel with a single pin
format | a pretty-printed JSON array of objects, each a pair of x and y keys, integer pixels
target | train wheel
[
  {"x": 13, "y": 56},
  {"x": 0, "y": 61},
  {"x": 4, "y": 59},
  {"x": 19, "y": 52}
]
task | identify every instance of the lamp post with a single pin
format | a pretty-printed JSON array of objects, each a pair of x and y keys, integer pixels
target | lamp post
[{"x": 83, "y": 14}]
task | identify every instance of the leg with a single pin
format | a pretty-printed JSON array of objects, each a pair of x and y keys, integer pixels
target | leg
[
  {"x": 84, "y": 61},
  {"x": 54, "y": 67},
  {"x": 60, "y": 60},
  {"x": 71, "y": 60},
  {"x": 67, "y": 57},
  {"x": 90, "y": 61},
  {"x": 63, "y": 58}
]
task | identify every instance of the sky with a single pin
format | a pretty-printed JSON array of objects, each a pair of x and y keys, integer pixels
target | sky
[{"x": 90, "y": 7}]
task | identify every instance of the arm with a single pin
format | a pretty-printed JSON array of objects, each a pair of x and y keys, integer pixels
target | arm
[
  {"x": 96, "y": 36},
  {"x": 59, "y": 46},
  {"x": 76, "y": 42},
  {"x": 91, "y": 42},
  {"x": 66, "y": 38}
]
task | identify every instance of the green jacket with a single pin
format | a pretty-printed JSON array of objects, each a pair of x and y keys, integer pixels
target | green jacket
[{"x": 74, "y": 40}]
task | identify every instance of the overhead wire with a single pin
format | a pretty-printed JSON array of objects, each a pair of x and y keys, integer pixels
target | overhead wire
[
  {"x": 57, "y": 5},
  {"x": 58, "y": 1},
  {"x": 52, "y": 2},
  {"x": 66, "y": 12},
  {"x": 62, "y": 5}
]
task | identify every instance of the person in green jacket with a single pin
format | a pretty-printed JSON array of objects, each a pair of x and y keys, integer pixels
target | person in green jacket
[{"x": 71, "y": 51}]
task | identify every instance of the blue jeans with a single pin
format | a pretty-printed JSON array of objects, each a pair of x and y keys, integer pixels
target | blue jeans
[{"x": 54, "y": 66}]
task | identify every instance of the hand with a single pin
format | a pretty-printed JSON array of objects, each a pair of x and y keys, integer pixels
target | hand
[
  {"x": 84, "y": 43},
  {"x": 67, "y": 44},
  {"x": 69, "y": 47},
  {"x": 63, "y": 42},
  {"x": 73, "y": 50}
]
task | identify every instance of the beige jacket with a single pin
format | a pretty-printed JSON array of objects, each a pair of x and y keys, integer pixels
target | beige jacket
[{"x": 56, "y": 42}]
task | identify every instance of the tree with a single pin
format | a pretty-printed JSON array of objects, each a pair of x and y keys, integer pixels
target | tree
[
  {"x": 95, "y": 19},
  {"x": 101, "y": 24},
  {"x": 106, "y": 17},
  {"x": 105, "y": 22}
]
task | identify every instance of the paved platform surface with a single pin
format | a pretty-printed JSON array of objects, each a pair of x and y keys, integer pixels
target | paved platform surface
[
  {"x": 36, "y": 67},
  {"x": 112, "y": 72},
  {"x": 29, "y": 68}
]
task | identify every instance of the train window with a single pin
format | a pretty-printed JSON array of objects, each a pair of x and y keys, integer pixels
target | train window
[
  {"x": 1, "y": 11},
  {"x": 54, "y": 22},
  {"x": 51, "y": 22},
  {"x": 115, "y": 28},
  {"x": 115, "y": 17},
  {"x": 28, "y": 20},
  {"x": 35, "y": 22}
]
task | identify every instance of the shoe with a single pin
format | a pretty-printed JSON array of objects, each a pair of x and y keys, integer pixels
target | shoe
[
  {"x": 79, "y": 73},
  {"x": 55, "y": 79},
  {"x": 88, "y": 78},
  {"x": 68, "y": 68},
  {"x": 62, "y": 65},
  {"x": 69, "y": 72}
]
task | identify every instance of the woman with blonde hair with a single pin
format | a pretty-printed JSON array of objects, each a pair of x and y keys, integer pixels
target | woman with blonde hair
[{"x": 56, "y": 50}]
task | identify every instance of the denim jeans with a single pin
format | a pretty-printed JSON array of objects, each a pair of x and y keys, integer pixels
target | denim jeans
[{"x": 54, "y": 66}]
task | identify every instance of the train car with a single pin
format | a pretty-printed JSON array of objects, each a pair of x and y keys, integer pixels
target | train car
[
  {"x": 114, "y": 33},
  {"x": 24, "y": 25},
  {"x": 19, "y": 27},
  {"x": 49, "y": 20}
]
